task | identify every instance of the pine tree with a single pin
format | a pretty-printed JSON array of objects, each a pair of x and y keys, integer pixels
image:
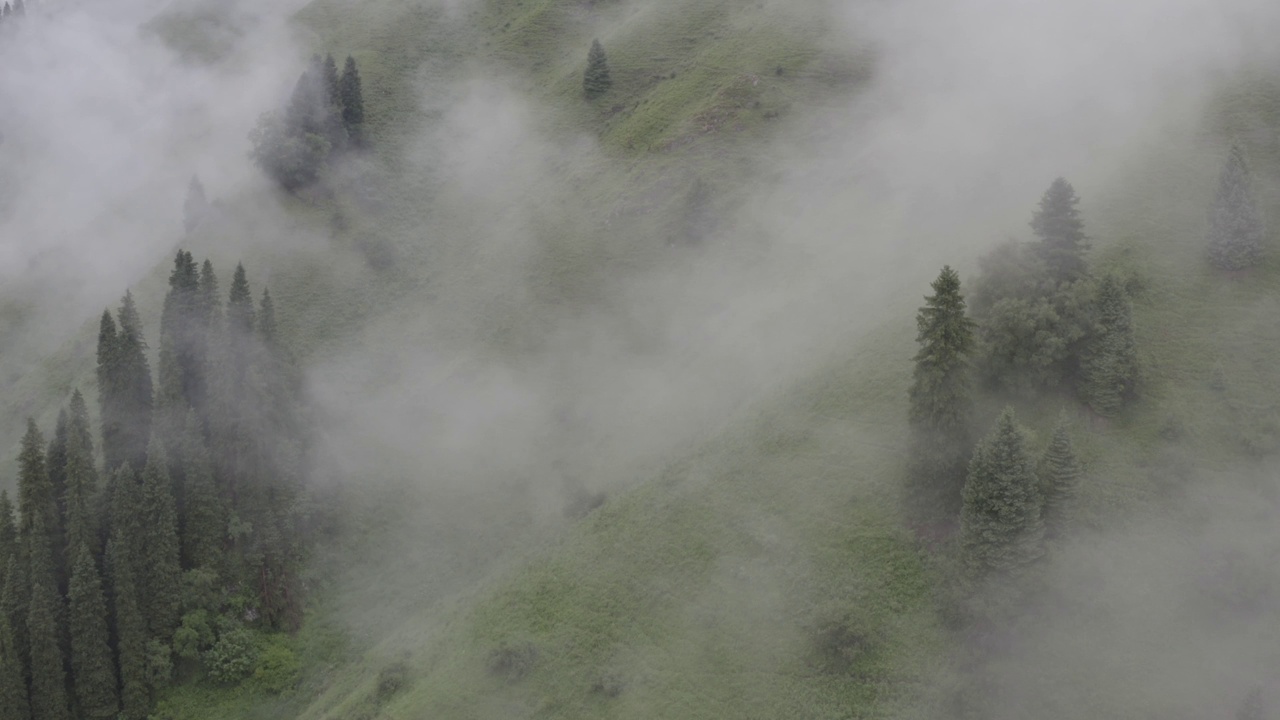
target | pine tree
[
  {"x": 6, "y": 11},
  {"x": 13, "y": 684},
  {"x": 240, "y": 314},
  {"x": 1236, "y": 231},
  {"x": 209, "y": 322},
  {"x": 14, "y": 603},
  {"x": 39, "y": 522},
  {"x": 45, "y": 632},
  {"x": 351, "y": 96},
  {"x": 8, "y": 529},
  {"x": 334, "y": 128},
  {"x": 1061, "y": 232},
  {"x": 159, "y": 576},
  {"x": 195, "y": 207},
  {"x": 1059, "y": 474},
  {"x": 82, "y": 507},
  {"x": 203, "y": 520},
  {"x": 55, "y": 461},
  {"x": 1000, "y": 526},
  {"x": 93, "y": 670},
  {"x": 939, "y": 397},
  {"x": 1111, "y": 360},
  {"x": 108, "y": 373},
  {"x": 124, "y": 557},
  {"x": 595, "y": 79},
  {"x": 131, "y": 387}
]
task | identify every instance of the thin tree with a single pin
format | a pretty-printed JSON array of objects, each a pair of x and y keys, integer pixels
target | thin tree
[
  {"x": 596, "y": 80},
  {"x": 1235, "y": 226},
  {"x": 940, "y": 396},
  {"x": 8, "y": 529},
  {"x": 44, "y": 631},
  {"x": 13, "y": 684},
  {"x": 352, "y": 99},
  {"x": 1111, "y": 359},
  {"x": 1059, "y": 474},
  {"x": 159, "y": 575},
  {"x": 1001, "y": 531},
  {"x": 1060, "y": 229},
  {"x": 203, "y": 516},
  {"x": 93, "y": 671},
  {"x": 124, "y": 553},
  {"x": 82, "y": 508}
]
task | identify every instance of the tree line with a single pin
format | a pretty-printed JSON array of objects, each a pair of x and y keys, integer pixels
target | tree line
[
  {"x": 161, "y": 559},
  {"x": 323, "y": 120}
]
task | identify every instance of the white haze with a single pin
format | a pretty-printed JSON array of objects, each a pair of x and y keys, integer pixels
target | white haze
[{"x": 975, "y": 106}]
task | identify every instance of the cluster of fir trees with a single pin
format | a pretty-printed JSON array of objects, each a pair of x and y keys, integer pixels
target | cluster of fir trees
[
  {"x": 191, "y": 535},
  {"x": 324, "y": 118},
  {"x": 1041, "y": 321},
  {"x": 16, "y": 10}
]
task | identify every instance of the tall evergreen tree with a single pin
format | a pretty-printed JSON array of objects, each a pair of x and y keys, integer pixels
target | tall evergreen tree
[
  {"x": 351, "y": 96},
  {"x": 203, "y": 520},
  {"x": 1059, "y": 474},
  {"x": 45, "y": 619},
  {"x": 209, "y": 323},
  {"x": 124, "y": 559},
  {"x": 1111, "y": 359},
  {"x": 159, "y": 576},
  {"x": 8, "y": 529},
  {"x": 1236, "y": 230},
  {"x": 596, "y": 80},
  {"x": 14, "y": 603},
  {"x": 1060, "y": 229},
  {"x": 125, "y": 389},
  {"x": 93, "y": 670},
  {"x": 1001, "y": 531},
  {"x": 13, "y": 684},
  {"x": 83, "y": 511},
  {"x": 38, "y": 508},
  {"x": 55, "y": 461},
  {"x": 939, "y": 397},
  {"x": 108, "y": 374}
]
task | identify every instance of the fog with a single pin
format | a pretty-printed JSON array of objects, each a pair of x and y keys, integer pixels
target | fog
[{"x": 523, "y": 375}]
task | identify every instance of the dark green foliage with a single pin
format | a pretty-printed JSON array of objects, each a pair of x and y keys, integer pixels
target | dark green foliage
[
  {"x": 93, "y": 669},
  {"x": 203, "y": 517},
  {"x": 1111, "y": 359},
  {"x": 44, "y": 633},
  {"x": 14, "y": 602},
  {"x": 940, "y": 397},
  {"x": 40, "y": 522},
  {"x": 1001, "y": 531},
  {"x": 55, "y": 462},
  {"x": 124, "y": 388},
  {"x": 277, "y": 669},
  {"x": 8, "y": 530},
  {"x": 595, "y": 79},
  {"x": 234, "y": 656},
  {"x": 131, "y": 631},
  {"x": 159, "y": 576},
  {"x": 351, "y": 96},
  {"x": 1061, "y": 232},
  {"x": 1059, "y": 473},
  {"x": 13, "y": 685},
  {"x": 83, "y": 511},
  {"x": 196, "y": 206},
  {"x": 293, "y": 160},
  {"x": 1236, "y": 231}
]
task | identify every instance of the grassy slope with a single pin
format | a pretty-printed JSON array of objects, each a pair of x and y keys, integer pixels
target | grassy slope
[{"x": 700, "y": 594}]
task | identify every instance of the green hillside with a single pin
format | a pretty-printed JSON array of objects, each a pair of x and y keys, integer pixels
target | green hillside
[{"x": 766, "y": 570}]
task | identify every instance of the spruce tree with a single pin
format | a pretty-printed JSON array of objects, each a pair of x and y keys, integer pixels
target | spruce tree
[
  {"x": 595, "y": 79},
  {"x": 44, "y": 633},
  {"x": 1236, "y": 231},
  {"x": 8, "y": 530},
  {"x": 1001, "y": 531},
  {"x": 6, "y": 11},
  {"x": 335, "y": 128},
  {"x": 196, "y": 206},
  {"x": 39, "y": 522},
  {"x": 109, "y": 394},
  {"x": 130, "y": 389},
  {"x": 93, "y": 671},
  {"x": 939, "y": 397},
  {"x": 13, "y": 684},
  {"x": 159, "y": 576},
  {"x": 14, "y": 603},
  {"x": 209, "y": 323},
  {"x": 131, "y": 633},
  {"x": 1111, "y": 359},
  {"x": 203, "y": 518},
  {"x": 351, "y": 96},
  {"x": 55, "y": 461},
  {"x": 1060, "y": 229},
  {"x": 1059, "y": 474}
]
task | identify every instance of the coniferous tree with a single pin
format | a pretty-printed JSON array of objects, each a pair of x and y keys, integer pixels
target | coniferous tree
[
  {"x": 1111, "y": 360},
  {"x": 209, "y": 322},
  {"x": 14, "y": 603},
  {"x": 1059, "y": 474},
  {"x": 109, "y": 403},
  {"x": 352, "y": 99},
  {"x": 203, "y": 520},
  {"x": 159, "y": 576},
  {"x": 38, "y": 508},
  {"x": 13, "y": 684},
  {"x": 55, "y": 461},
  {"x": 125, "y": 389},
  {"x": 93, "y": 670},
  {"x": 1061, "y": 232},
  {"x": 595, "y": 79},
  {"x": 939, "y": 397},
  {"x": 8, "y": 529},
  {"x": 44, "y": 633},
  {"x": 6, "y": 11},
  {"x": 1001, "y": 531},
  {"x": 124, "y": 558},
  {"x": 196, "y": 206},
  {"x": 334, "y": 128},
  {"x": 82, "y": 507},
  {"x": 1235, "y": 226}
]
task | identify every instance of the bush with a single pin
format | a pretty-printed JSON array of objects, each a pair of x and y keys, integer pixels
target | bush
[
  {"x": 278, "y": 668},
  {"x": 391, "y": 680},
  {"x": 234, "y": 656},
  {"x": 513, "y": 661}
]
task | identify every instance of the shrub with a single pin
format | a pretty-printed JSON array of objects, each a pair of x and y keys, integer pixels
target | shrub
[
  {"x": 278, "y": 668},
  {"x": 234, "y": 656},
  {"x": 391, "y": 680}
]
